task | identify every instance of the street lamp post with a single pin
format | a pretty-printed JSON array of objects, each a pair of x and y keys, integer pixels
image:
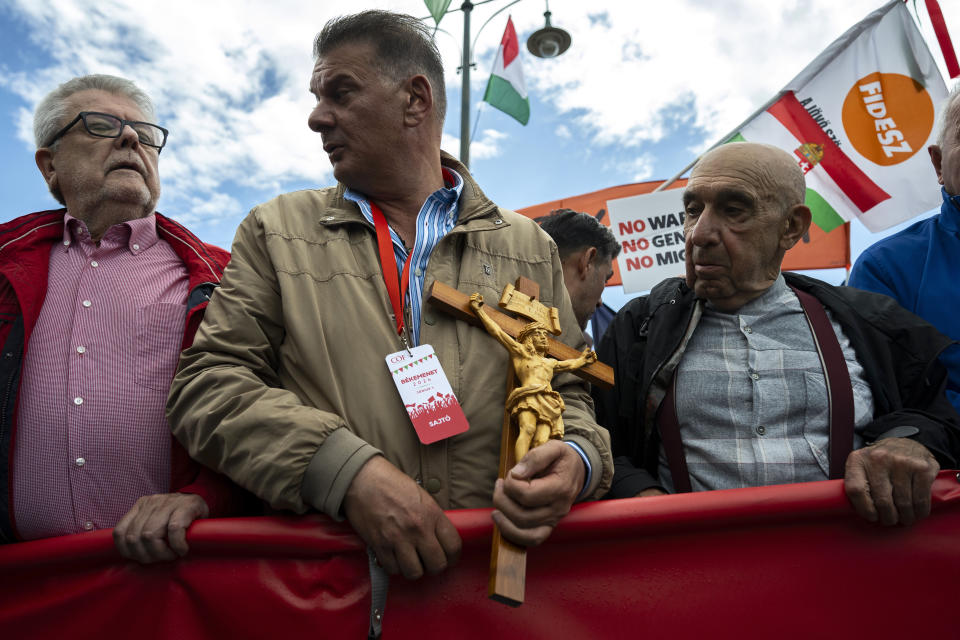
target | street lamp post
[
  {"x": 548, "y": 42},
  {"x": 466, "y": 7}
]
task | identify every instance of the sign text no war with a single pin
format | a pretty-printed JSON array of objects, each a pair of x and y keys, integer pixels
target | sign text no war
[{"x": 649, "y": 228}]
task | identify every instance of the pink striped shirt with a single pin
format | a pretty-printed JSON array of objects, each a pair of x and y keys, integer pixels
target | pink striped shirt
[{"x": 91, "y": 435}]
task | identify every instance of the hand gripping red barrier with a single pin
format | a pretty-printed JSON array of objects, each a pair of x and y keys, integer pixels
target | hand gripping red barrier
[{"x": 789, "y": 561}]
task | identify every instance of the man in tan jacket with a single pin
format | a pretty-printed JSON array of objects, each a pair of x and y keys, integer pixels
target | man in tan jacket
[{"x": 286, "y": 388}]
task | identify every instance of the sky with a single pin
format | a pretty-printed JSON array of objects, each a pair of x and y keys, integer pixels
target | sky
[{"x": 644, "y": 88}]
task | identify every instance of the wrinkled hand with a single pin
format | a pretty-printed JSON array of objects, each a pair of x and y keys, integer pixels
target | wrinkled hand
[
  {"x": 538, "y": 492},
  {"x": 891, "y": 481},
  {"x": 155, "y": 528},
  {"x": 406, "y": 528}
]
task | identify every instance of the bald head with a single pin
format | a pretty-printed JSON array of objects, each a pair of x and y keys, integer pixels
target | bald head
[
  {"x": 743, "y": 210},
  {"x": 773, "y": 172}
]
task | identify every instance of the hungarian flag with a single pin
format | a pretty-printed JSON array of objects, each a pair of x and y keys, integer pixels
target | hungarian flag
[
  {"x": 831, "y": 176},
  {"x": 506, "y": 90},
  {"x": 858, "y": 120}
]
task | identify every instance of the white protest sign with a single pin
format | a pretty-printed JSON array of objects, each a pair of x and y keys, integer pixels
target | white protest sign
[{"x": 649, "y": 227}]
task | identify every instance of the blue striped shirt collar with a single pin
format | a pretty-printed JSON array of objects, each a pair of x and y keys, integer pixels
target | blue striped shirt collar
[
  {"x": 448, "y": 195},
  {"x": 437, "y": 217}
]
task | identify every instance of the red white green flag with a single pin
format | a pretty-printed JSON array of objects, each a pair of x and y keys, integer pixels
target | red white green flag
[
  {"x": 506, "y": 90},
  {"x": 858, "y": 120}
]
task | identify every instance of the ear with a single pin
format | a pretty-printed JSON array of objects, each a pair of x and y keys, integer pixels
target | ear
[
  {"x": 44, "y": 159},
  {"x": 936, "y": 157},
  {"x": 796, "y": 224},
  {"x": 419, "y": 105},
  {"x": 585, "y": 260}
]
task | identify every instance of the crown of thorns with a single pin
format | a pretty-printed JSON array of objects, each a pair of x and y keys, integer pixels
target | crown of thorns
[{"x": 530, "y": 328}]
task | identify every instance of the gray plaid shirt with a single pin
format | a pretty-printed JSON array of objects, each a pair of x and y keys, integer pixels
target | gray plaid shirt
[{"x": 752, "y": 398}]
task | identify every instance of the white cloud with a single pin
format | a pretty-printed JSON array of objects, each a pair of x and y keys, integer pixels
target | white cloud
[
  {"x": 631, "y": 65},
  {"x": 486, "y": 146},
  {"x": 211, "y": 208},
  {"x": 641, "y": 168},
  {"x": 230, "y": 77},
  {"x": 231, "y": 85}
]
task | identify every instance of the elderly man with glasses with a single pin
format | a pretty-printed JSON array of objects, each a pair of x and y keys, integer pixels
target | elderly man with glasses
[{"x": 96, "y": 302}]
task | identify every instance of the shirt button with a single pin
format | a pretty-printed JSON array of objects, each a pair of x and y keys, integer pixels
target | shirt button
[
  {"x": 328, "y": 219},
  {"x": 417, "y": 272},
  {"x": 88, "y": 525},
  {"x": 87, "y": 303},
  {"x": 78, "y": 401},
  {"x": 94, "y": 263},
  {"x": 498, "y": 222},
  {"x": 761, "y": 430},
  {"x": 754, "y": 375},
  {"x": 136, "y": 247},
  {"x": 80, "y": 462},
  {"x": 747, "y": 330},
  {"x": 433, "y": 485},
  {"x": 81, "y": 349},
  {"x": 66, "y": 243}
]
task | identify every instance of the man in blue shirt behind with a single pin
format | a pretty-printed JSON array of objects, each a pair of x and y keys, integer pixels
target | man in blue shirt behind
[{"x": 920, "y": 266}]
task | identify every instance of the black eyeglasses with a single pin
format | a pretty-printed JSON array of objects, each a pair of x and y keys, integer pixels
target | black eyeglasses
[{"x": 104, "y": 125}]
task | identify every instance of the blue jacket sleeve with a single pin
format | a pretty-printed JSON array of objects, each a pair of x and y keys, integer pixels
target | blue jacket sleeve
[{"x": 870, "y": 274}]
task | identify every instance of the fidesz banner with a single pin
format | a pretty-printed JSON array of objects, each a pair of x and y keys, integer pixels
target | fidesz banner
[{"x": 789, "y": 561}]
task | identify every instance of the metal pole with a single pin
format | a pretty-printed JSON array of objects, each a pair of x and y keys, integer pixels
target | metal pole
[
  {"x": 677, "y": 177},
  {"x": 466, "y": 7}
]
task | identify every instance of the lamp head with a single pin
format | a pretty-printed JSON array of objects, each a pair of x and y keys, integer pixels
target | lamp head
[{"x": 548, "y": 42}]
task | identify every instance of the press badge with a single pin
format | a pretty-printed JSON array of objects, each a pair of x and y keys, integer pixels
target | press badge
[{"x": 426, "y": 394}]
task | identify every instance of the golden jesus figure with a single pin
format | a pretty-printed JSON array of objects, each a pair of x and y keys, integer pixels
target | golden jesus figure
[{"x": 533, "y": 404}]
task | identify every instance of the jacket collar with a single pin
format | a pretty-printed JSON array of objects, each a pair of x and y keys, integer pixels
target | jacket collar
[
  {"x": 473, "y": 202},
  {"x": 21, "y": 233},
  {"x": 38, "y": 231},
  {"x": 473, "y": 205},
  {"x": 950, "y": 211},
  {"x": 204, "y": 262}
]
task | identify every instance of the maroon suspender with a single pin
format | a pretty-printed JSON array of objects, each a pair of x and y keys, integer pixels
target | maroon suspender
[
  {"x": 672, "y": 444},
  {"x": 839, "y": 399},
  {"x": 839, "y": 388}
]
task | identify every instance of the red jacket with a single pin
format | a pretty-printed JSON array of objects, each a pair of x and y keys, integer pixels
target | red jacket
[{"x": 25, "y": 245}]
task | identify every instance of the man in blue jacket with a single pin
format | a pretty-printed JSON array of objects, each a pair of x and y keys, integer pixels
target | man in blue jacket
[{"x": 919, "y": 267}]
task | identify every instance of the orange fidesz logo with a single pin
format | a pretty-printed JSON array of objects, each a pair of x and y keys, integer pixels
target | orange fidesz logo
[{"x": 888, "y": 117}]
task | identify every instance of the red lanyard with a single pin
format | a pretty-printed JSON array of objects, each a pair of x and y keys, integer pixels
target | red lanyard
[{"x": 388, "y": 263}]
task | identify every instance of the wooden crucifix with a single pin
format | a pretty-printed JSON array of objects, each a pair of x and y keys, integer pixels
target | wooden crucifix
[{"x": 508, "y": 561}]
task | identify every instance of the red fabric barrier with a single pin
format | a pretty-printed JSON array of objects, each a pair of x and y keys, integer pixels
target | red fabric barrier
[{"x": 790, "y": 561}]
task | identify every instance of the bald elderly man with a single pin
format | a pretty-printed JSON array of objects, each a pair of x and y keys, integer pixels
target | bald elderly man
[{"x": 720, "y": 378}]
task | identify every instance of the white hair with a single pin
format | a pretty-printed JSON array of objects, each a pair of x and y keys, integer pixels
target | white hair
[
  {"x": 51, "y": 114},
  {"x": 942, "y": 116}
]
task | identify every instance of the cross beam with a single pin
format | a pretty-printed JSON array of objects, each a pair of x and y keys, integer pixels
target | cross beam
[{"x": 457, "y": 304}]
